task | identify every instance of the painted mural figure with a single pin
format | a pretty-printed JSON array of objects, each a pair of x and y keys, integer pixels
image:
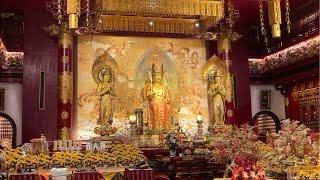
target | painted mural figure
[
  {"x": 216, "y": 95},
  {"x": 106, "y": 94},
  {"x": 157, "y": 95}
]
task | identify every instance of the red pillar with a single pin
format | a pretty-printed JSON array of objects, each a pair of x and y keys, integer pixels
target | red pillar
[
  {"x": 224, "y": 49},
  {"x": 65, "y": 99}
]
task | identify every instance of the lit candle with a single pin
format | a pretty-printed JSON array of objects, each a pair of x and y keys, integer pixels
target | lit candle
[
  {"x": 199, "y": 117},
  {"x": 132, "y": 118}
]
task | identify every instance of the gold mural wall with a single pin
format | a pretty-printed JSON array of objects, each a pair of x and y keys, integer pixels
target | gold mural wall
[{"x": 182, "y": 60}]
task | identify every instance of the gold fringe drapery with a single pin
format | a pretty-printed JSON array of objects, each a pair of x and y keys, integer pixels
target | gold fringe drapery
[
  {"x": 160, "y": 8},
  {"x": 142, "y": 24}
]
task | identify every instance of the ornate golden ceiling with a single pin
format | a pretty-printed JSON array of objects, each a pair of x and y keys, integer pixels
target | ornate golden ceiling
[
  {"x": 184, "y": 17},
  {"x": 188, "y": 17}
]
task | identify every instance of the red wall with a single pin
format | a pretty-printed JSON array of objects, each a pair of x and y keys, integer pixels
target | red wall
[
  {"x": 40, "y": 54},
  {"x": 240, "y": 66}
]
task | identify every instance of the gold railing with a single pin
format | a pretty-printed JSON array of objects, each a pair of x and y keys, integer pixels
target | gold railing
[
  {"x": 165, "y": 8},
  {"x": 142, "y": 24}
]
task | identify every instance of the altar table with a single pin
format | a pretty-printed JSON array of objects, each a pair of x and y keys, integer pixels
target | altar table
[{"x": 195, "y": 168}]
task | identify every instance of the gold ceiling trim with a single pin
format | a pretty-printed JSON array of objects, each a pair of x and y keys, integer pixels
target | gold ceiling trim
[
  {"x": 165, "y": 8},
  {"x": 113, "y": 23}
]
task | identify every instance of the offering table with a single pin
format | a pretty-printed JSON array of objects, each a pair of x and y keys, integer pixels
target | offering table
[{"x": 195, "y": 168}]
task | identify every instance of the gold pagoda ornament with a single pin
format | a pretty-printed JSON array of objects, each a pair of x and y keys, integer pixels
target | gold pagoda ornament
[{"x": 274, "y": 11}]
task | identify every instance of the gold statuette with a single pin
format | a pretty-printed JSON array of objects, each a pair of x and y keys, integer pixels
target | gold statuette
[
  {"x": 65, "y": 87},
  {"x": 64, "y": 133}
]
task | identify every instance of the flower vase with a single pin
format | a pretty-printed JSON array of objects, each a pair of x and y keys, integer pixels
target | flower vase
[{"x": 173, "y": 153}]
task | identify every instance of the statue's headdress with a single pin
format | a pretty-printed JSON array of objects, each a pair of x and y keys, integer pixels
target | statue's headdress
[
  {"x": 215, "y": 65},
  {"x": 156, "y": 73},
  {"x": 104, "y": 64}
]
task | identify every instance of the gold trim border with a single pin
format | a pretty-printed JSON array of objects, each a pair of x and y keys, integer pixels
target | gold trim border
[{"x": 142, "y": 24}]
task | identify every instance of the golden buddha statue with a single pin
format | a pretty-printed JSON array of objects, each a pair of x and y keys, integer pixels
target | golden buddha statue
[
  {"x": 104, "y": 71},
  {"x": 156, "y": 93},
  {"x": 215, "y": 73},
  {"x": 216, "y": 98},
  {"x": 106, "y": 94}
]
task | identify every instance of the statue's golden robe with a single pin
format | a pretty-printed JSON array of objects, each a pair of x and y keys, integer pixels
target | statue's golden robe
[{"x": 159, "y": 105}]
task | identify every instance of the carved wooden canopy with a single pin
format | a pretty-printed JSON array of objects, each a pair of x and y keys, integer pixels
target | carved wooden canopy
[{"x": 186, "y": 17}]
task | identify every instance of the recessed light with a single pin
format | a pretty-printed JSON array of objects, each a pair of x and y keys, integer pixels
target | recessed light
[{"x": 197, "y": 24}]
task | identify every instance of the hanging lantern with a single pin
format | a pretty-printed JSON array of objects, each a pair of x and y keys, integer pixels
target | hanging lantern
[
  {"x": 73, "y": 8},
  {"x": 274, "y": 11}
]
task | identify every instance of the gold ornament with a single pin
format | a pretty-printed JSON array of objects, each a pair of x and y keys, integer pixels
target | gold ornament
[
  {"x": 65, "y": 87},
  {"x": 65, "y": 40},
  {"x": 223, "y": 44},
  {"x": 64, "y": 133},
  {"x": 230, "y": 113},
  {"x": 64, "y": 115},
  {"x": 73, "y": 21},
  {"x": 65, "y": 59}
]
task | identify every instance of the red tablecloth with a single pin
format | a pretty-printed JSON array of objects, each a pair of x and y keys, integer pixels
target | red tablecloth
[
  {"x": 138, "y": 174},
  {"x": 31, "y": 176},
  {"x": 86, "y": 176}
]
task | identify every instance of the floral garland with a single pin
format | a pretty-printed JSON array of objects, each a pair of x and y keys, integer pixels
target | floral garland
[{"x": 288, "y": 56}]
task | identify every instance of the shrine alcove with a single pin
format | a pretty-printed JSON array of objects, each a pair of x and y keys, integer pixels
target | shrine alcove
[
  {"x": 263, "y": 122},
  {"x": 8, "y": 129}
]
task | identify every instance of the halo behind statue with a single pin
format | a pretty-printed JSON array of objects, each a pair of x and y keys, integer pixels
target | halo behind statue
[
  {"x": 214, "y": 64},
  {"x": 144, "y": 65},
  {"x": 103, "y": 63}
]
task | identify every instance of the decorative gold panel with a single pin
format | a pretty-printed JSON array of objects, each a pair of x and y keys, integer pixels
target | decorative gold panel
[
  {"x": 182, "y": 60},
  {"x": 177, "y": 8},
  {"x": 149, "y": 24}
]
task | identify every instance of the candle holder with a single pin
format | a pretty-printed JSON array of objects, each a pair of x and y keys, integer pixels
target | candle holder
[
  {"x": 199, "y": 120},
  {"x": 133, "y": 126},
  {"x": 139, "y": 118}
]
